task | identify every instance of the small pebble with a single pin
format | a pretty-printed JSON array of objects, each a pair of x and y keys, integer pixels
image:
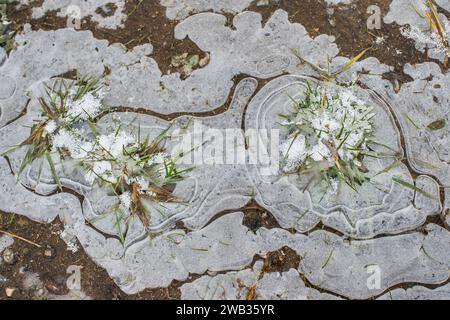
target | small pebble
[
  {"x": 396, "y": 86},
  {"x": 40, "y": 292},
  {"x": 204, "y": 61},
  {"x": 262, "y": 3},
  {"x": 49, "y": 252},
  {"x": 8, "y": 256},
  {"x": 9, "y": 292}
]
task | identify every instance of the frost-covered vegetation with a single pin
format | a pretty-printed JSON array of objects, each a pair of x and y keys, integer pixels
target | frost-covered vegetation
[
  {"x": 137, "y": 170},
  {"x": 6, "y": 34},
  {"x": 327, "y": 136}
]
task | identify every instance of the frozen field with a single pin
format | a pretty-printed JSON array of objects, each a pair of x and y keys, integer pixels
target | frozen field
[{"x": 232, "y": 149}]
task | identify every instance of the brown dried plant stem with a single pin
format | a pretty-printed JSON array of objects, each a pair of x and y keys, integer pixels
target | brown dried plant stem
[{"x": 20, "y": 238}]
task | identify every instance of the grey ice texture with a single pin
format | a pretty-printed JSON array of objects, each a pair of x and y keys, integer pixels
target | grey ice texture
[
  {"x": 409, "y": 12},
  {"x": 418, "y": 293},
  {"x": 237, "y": 285},
  {"x": 2, "y": 55},
  {"x": 175, "y": 9},
  {"x": 5, "y": 242},
  {"x": 417, "y": 105},
  {"x": 337, "y": 262},
  {"x": 206, "y": 89},
  {"x": 336, "y": 2},
  {"x": 387, "y": 207},
  {"x": 341, "y": 267}
]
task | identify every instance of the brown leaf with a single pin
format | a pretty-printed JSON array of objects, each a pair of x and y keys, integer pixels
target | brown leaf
[
  {"x": 36, "y": 135},
  {"x": 437, "y": 125},
  {"x": 137, "y": 207},
  {"x": 161, "y": 194},
  {"x": 47, "y": 110}
]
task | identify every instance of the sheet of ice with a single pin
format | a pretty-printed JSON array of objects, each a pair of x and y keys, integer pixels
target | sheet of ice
[
  {"x": 237, "y": 285},
  {"x": 363, "y": 269},
  {"x": 2, "y": 55},
  {"x": 418, "y": 105},
  {"x": 181, "y": 9},
  {"x": 296, "y": 203},
  {"x": 336, "y": 2},
  {"x": 5, "y": 242},
  {"x": 418, "y": 293}
]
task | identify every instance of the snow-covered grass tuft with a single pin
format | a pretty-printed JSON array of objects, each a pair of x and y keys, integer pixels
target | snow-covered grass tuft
[
  {"x": 6, "y": 34},
  {"x": 140, "y": 173},
  {"x": 327, "y": 136},
  {"x": 66, "y": 110}
]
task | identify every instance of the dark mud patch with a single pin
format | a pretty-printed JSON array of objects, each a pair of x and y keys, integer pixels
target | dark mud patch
[
  {"x": 107, "y": 10},
  {"x": 281, "y": 260},
  {"x": 53, "y": 270},
  {"x": 256, "y": 217}
]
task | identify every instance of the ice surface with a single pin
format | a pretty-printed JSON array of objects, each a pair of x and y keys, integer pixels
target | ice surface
[{"x": 5, "y": 242}]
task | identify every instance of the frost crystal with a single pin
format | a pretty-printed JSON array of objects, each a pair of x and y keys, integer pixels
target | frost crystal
[
  {"x": 51, "y": 127},
  {"x": 427, "y": 39},
  {"x": 88, "y": 106},
  {"x": 125, "y": 200},
  {"x": 139, "y": 173},
  {"x": 70, "y": 241},
  {"x": 113, "y": 144},
  {"x": 66, "y": 115}
]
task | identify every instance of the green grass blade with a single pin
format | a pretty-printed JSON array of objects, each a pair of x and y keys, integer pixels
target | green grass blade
[{"x": 412, "y": 187}]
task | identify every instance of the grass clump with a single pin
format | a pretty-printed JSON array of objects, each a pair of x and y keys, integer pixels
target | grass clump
[
  {"x": 139, "y": 172},
  {"x": 6, "y": 34},
  {"x": 327, "y": 136},
  {"x": 327, "y": 75},
  {"x": 65, "y": 110}
]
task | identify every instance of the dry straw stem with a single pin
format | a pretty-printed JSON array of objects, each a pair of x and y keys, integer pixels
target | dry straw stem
[
  {"x": 437, "y": 27},
  {"x": 20, "y": 238},
  {"x": 326, "y": 75}
]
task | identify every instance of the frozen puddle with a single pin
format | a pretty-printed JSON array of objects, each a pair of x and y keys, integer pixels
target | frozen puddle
[{"x": 353, "y": 242}]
